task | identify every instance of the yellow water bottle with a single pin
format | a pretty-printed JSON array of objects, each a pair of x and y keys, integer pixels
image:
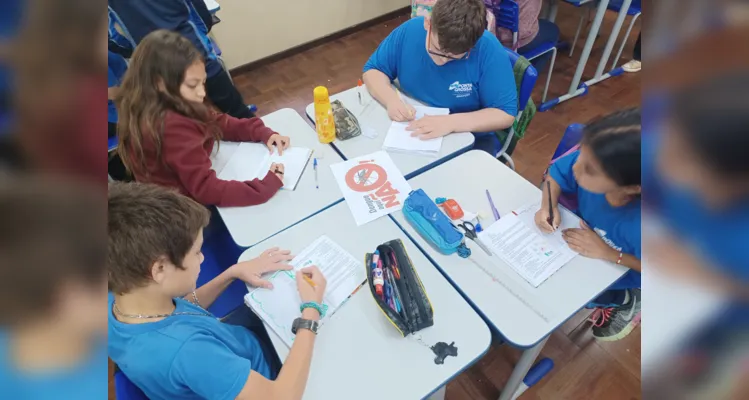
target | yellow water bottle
[{"x": 324, "y": 121}]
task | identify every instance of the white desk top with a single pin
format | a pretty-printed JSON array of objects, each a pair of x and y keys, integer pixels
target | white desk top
[
  {"x": 250, "y": 225},
  {"x": 530, "y": 314},
  {"x": 359, "y": 347},
  {"x": 375, "y": 117}
]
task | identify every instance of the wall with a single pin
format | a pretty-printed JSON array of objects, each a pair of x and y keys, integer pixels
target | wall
[{"x": 254, "y": 29}]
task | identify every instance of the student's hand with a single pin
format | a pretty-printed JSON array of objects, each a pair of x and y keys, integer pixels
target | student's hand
[
  {"x": 431, "y": 127},
  {"x": 308, "y": 292},
  {"x": 399, "y": 111},
  {"x": 542, "y": 219},
  {"x": 278, "y": 170},
  {"x": 585, "y": 241},
  {"x": 281, "y": 142},
  {"x": 252, "y": 271}
]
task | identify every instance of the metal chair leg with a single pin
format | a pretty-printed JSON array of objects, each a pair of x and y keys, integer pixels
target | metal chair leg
[
  {"x": 548, "y": 77},
  {"x": 507, "y": 157},
  {"x": 624, "y": 41},
  {"x": 577, "y": 33}
]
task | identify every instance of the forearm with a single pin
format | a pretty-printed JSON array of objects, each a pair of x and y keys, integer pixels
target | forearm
[
  {"x": 378, "y": 85},
  {"x": 112, "y": 92},
  {"x": 293, "y": 376},
  {"x": 208, "y": 293},
  {"x": 628, "y": 260},
  {"x": 486, "y": 120}
]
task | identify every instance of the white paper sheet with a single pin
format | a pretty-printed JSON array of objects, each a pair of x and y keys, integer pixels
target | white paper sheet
[
  {"x": 253, "y": 160},
  {"x": 529, "y": 253},
  {"x": 527, "y": 214},
  {"x": 399, "y": 140},
  {"x": 211, "y": 5},
  {"x": 372, "y": 186},
  {"x": 279, "y": 306}
]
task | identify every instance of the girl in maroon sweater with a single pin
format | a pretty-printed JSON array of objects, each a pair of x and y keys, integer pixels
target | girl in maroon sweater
[{"x": 167, "y": 133}]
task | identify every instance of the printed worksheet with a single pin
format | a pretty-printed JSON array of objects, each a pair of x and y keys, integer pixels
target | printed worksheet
[
  {"x": 526, "y": 251},
  {"x": 279, "y": 307},
  {"x": 527, "y": 214}
]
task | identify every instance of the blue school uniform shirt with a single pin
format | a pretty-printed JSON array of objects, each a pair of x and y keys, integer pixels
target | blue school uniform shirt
[
  {"x": 117, "y": 67},
  {"x": 86, "y": 381},
  {"x": 484, "y": 80},
  {"x": 619, "y": 227},
  {"x": 186, "y": 356},
  {"x": 721, "y": 237}
]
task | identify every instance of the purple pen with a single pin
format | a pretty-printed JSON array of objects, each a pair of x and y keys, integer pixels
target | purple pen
[{"x": 491, "y": 204}]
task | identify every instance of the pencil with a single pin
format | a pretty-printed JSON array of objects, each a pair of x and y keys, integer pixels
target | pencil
[
  {"x": 402, "y": 101},
  {"x": 307, "y": 278},
  {"x": 551, "y": 212}
]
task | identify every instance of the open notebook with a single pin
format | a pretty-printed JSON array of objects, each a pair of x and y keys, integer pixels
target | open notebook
[
  {"x": 399, "y": 139},
  {"x": 279, "y": 307},
  {"x": 253, "y": 160}
]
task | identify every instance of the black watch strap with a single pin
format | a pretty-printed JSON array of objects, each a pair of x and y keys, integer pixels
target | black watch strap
[{"x": 301, "y": 323}]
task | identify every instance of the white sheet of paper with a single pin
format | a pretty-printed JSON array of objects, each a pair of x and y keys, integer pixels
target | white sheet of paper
[
  {"x": 527, "y": 252},
  {"x": 211, "y": 5},
  {"x": 372, "y": 185},
  {"x": 279, "y": 306},
  {"x": 253, "y": 160},
  {"x": 527, "y": 214},
  {"x": 399, "y": 140}
]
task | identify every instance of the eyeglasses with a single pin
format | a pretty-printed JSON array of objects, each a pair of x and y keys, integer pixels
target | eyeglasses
[{"x": 438, "y": 54}]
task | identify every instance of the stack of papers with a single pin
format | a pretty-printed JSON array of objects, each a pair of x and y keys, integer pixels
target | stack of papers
[
  {"x": 253, "y": 160},
  {"x": 279, "y": 307},
  {"x": 399, "y": 140},
  {"x": 534, "y": 255}
]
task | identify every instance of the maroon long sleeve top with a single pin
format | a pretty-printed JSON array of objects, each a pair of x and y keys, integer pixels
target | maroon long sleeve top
[{"x": 185, "y": 161}]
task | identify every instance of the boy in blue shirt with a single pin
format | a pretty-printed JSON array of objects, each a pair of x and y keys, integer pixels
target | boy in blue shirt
[
  {"x": 160, "y": 334},
  {"x": 604, "y": 174},
  {"x": 52, "y": 288},
  {"x": 447, "y": 60}
]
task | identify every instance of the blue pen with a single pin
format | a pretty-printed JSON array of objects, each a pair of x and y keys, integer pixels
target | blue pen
[{"x": 314, "y": 165}]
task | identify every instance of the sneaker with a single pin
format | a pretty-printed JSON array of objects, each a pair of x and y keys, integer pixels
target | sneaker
[
  {"x": 616, "y": 323},
  {"x": 632, "y": 66}
]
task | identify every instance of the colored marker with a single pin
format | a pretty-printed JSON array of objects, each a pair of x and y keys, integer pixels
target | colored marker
[{"x": 314, "y": 165}]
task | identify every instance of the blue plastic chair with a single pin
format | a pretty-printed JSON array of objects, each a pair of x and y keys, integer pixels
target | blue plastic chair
[
  {"x": 524, "y": 94},
  {"x": 507, "y": 14},
  {"x": 124, "y": 389}
]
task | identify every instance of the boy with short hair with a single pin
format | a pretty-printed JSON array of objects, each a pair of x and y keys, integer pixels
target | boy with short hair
[
  {"x": 447, "y": 60},
  {"x": 160, "y": 334}
]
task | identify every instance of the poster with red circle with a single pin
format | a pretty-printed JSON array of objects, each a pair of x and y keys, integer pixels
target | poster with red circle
[{"x": 372, "y": 186}]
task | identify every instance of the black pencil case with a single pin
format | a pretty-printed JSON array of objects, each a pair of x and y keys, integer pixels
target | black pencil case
[{"x": 416, "y": 311}]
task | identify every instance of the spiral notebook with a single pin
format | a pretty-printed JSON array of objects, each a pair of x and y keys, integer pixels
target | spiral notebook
[{"x": 253, "y": 160}]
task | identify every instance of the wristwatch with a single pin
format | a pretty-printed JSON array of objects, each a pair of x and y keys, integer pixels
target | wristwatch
[{"x": 301, "y": 323}]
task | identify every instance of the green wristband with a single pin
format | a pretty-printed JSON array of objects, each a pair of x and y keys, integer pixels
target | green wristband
[{"x": 321, "y": 308}]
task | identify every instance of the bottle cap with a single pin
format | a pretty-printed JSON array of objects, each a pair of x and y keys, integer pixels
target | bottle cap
[{"x": 320, "y": 94}]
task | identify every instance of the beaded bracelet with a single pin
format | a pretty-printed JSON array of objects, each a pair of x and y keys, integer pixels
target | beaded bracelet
[
  {"x": 321, "y": 308},
  {"x": 619, "y": 260}
]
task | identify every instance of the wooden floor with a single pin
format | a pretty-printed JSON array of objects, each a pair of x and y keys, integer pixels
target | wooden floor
[{"x": 584, "y": 368}]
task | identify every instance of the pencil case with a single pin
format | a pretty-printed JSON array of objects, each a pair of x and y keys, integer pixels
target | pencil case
[
  {"x": 414, "y": 310},
  {"x": 433, "y": 225}
]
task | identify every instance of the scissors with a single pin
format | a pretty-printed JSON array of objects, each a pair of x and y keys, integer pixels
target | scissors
[{"x": 470, "y": 231}]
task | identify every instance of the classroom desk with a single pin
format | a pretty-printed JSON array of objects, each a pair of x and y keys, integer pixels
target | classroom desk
[
  {"x": 375, "y": 117},
  {"x": 358, "y": 347},
  {"x": 522, "y": 314},
  {"x": 576, "y": 88},
  {"x": 250, "y": 225}
]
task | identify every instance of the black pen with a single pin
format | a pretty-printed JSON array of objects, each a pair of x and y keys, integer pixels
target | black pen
[{"x": 551, "y": 213}]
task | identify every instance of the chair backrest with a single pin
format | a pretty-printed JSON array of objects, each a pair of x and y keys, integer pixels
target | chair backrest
[
  {"x": 507, "y": 13},
  {"x": 126, "y": 390},
  {"x": 527, "y": 83}
]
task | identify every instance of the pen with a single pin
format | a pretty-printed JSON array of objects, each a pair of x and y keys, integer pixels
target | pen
[
  {"x": 314, "y": 165},
  {"x": 491, "y": 204},
  {"x": 551, "y": 213}
]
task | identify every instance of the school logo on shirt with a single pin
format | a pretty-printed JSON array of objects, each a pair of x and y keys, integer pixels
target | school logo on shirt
[
  {"x": 460, "y": 89},
  {"x": 608, "y": 241}
]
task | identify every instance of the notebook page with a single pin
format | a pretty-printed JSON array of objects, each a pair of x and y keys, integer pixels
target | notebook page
[
  {"x": 530, "y": 254},
  {"x": 294, "y": 160},
  {"x": 253, "y": 160},
  {"x": 400, "y": 139}
]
